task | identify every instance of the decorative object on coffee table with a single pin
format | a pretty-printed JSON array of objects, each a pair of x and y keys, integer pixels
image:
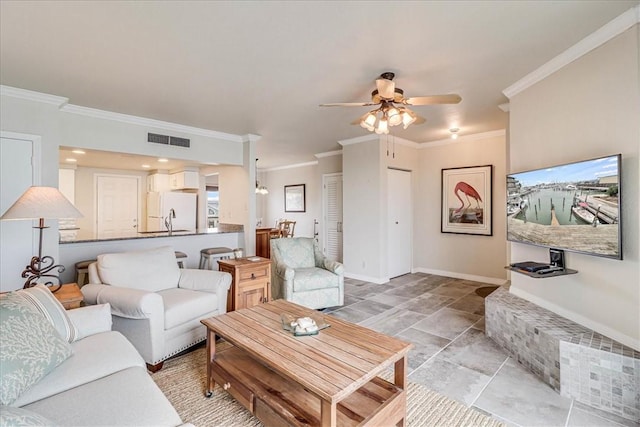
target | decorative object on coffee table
[
  {"x": 303, "y": 326},
  {"x": 41, "y": 203}
]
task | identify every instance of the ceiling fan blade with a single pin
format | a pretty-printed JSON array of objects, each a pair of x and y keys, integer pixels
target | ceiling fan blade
[
  {"x": 386, "y": 88},
  {"x": 348, "y": 104},
  {"x": 433, "y": 99},
  {"x": 419, "y": 120}
]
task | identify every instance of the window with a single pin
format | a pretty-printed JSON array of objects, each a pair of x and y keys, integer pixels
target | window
[{"x": 213, "y": 200}]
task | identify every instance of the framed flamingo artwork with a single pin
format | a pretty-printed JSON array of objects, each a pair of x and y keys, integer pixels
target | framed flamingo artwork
[{"x": 467, "y": 200}]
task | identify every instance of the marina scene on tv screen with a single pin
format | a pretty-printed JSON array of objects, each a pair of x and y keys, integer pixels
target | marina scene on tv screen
[{"x": 573, "y": 206}]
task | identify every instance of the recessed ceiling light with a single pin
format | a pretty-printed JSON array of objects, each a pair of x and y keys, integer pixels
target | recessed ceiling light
[
  {"x": 146, "y": 166},
  {"x": 163, "y": 160},
  {"x": 78, "y": 152},
  {"x": 71, "y": 160}
]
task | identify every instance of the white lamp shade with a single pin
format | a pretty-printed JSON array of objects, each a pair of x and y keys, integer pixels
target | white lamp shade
[
  {"x": 42, "y": 202},
  {"x": 368, "y": 121},
  {"x": 382, "y": 127},
  {"x": 394, "y": 116},
  {"x": 408, "y": 117}
]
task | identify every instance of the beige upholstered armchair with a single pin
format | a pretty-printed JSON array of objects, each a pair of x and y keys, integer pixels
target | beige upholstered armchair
[
  {"x": 155, "y": 304},
  {"x": 302, "y": 274}
]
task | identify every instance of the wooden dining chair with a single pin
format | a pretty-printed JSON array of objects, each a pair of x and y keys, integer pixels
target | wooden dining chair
[{"x": 287, "y": 228}]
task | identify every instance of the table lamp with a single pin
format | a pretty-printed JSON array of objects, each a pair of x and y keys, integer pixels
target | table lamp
[{"x": 41, "y": 203}]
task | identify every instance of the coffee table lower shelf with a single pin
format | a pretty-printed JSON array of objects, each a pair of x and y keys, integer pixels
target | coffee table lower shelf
[{"x": 278, "y": 401}]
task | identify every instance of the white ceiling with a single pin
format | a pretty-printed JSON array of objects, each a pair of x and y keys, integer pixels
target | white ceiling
[
  {"x": 113, "y": 160},
  {"x": 263, "y": 67}
]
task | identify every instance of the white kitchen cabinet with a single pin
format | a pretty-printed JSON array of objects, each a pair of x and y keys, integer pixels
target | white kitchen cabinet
[
  {"x": 184, "y": 180},
  {"x": 158, "y": 182}
]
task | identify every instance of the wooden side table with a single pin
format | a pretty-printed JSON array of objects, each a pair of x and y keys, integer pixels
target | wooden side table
[
  {"x": 251, "y": 281},
  {"x": 69, "y": 296}
]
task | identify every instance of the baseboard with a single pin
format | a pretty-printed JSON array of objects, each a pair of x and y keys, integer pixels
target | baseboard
[
  {"x": 581, "y": 320},
  {"x": 455, "y": 275},
  {"x": 376, "y": 280}
]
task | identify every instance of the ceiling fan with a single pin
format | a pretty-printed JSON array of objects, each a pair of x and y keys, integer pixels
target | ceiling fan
[{"x": 387, "y": 95}]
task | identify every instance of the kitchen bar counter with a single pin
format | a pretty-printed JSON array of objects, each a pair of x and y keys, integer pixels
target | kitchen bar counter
[
  {"x": 190, "y": 242},
  {"x": 221, "y": 229}
]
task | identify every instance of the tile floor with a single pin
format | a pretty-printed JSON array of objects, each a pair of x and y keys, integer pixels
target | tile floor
[{"x": 444, "y": 319}]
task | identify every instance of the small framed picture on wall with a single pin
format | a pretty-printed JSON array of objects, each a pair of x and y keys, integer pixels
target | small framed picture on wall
[
  {"x": 466, "y": 200},
  {"x": 294, "y": 198}
]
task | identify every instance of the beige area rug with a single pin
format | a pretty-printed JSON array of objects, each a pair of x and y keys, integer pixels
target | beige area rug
[{"x": 183, "y": 381}]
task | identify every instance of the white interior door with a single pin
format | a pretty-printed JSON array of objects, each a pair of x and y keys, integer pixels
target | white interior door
[
  {"x": 400, "y": 225},
  {"x": 332, "y": 213},
  {"x": 117, "y": 204},
  {"x": 19, "y": 168}
]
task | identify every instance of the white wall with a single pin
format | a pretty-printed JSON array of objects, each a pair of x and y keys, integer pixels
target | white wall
[
  {"x": 587, "y": 109},
  {"x": 275, "y": 180},
  {"x": 270, "y": 207},
  {"x": 60, "y": 124},
  {"x": 365, "y": 195},
  {"x": 473, "y": 257}
]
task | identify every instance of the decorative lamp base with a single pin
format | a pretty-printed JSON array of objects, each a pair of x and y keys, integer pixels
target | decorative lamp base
[{"x": 41, "y": 268}]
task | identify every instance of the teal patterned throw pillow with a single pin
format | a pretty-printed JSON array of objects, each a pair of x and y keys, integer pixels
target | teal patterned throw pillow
[
  {"x": 43, "y": 300},
  {"x": 30, "y": 347}
]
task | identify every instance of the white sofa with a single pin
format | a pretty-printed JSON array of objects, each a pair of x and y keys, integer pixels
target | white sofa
[
  {"x": 155, "y": 304},
  {"x": 104, "y": 382}
]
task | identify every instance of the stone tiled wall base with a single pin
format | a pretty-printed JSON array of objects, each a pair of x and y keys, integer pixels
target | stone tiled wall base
[
  {"x": 602, "y": 379},
  {"x": 574, "y": 360}
]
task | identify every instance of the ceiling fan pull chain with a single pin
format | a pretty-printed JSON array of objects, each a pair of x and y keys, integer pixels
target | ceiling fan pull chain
[{"x": 394, "y": 146}]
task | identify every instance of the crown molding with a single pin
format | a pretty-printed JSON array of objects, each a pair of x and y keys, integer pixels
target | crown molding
[
  {"x": 358, "y": 139},
  {"x": 297, "y": 165},
  {"x": 505, "y": 107},
  {"x": 328, "y": 154},
  {"x": 605, "y": 33},
  {"x": 63, "y": 104},
  {"x": 376, "y": 137},
  {"x": 464, "y": 138},
  {"x": 31, "y": 95},
  {"x": 250, "y": 137},
  {"x": 400, "y": 141},
  {"x": 143, "y": 121}
]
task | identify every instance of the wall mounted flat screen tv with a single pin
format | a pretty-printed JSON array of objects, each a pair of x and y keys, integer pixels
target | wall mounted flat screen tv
[{"x": 574, "y": 207}]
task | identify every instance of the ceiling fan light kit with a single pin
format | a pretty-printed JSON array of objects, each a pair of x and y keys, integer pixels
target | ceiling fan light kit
[{"x": 388, "y": 114}]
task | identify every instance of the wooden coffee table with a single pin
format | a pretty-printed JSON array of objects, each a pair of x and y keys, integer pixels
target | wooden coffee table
[{"x": 327, "y": 379}]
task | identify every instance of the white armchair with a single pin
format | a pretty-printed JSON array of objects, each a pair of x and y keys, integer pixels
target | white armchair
[
  {"x": 155, "y": 304},
  {"x": 302, "y": 274}
]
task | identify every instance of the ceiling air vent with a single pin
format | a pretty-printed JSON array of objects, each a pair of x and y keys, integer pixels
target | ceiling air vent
[
  {"x": 168, "y": 140},
  {"x": 158, "y": 139},
  {"x": 180, "y": 142}
]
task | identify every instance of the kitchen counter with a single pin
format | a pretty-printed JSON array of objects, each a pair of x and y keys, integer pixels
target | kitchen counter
[
  {"x": 190, "y": 242},
  {"x": 221, "y": 229}
]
